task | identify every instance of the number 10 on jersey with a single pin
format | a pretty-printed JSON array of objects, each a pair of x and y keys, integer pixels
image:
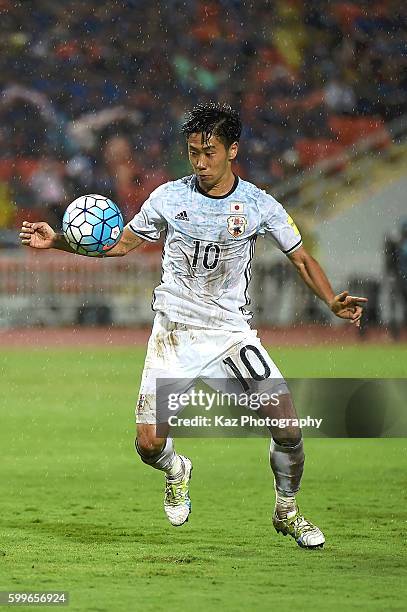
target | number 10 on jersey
[{"x": 210, "y": 255}]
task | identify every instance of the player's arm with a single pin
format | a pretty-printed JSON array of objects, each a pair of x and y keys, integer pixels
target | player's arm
[
  {"x": 128, "y": 241},
  {"x": 41, "y": 236},
  {"x": 342, "y": 305}
]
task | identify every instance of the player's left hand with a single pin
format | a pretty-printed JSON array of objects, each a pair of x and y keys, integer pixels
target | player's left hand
[{"x": 348, "y": 306}]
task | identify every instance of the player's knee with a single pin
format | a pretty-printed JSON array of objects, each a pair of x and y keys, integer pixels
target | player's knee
[
  {"x": 147, "y": 442},
  {"x": 289, "y": 437}
]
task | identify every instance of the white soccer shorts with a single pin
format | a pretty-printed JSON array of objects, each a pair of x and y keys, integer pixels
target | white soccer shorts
[{"x": 188, "y": 353}]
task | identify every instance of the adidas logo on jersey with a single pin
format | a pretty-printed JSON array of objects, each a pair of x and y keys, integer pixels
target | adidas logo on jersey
[{"x": 182, "y": 216}]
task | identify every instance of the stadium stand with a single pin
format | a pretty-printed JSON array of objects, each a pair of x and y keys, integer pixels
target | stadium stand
[
  {"x": 92, "y": 103},
  {"x": 91, "y": 91}
]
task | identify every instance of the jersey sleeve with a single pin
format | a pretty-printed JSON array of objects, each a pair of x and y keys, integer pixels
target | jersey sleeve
[
  {"x": 277, "y": 224},
  {"x": 149, "y": 222}
]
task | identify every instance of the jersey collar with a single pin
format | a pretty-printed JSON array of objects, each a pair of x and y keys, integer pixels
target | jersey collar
[{"x": 234, "y": 186}]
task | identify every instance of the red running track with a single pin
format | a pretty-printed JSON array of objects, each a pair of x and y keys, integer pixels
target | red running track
[{"x": 301, "y": 335}]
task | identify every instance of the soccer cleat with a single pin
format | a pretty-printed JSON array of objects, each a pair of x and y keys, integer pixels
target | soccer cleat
[
  {"x": 304, "y": 533},
  {"x": 177, "y": 504}
]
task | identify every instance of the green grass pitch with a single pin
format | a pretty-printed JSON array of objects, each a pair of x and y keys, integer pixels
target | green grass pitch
[{"x": 80, "y": 512}]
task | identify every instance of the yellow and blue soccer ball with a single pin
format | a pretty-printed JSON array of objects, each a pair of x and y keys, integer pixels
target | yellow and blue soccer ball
[{"x": 92, "y": 224}]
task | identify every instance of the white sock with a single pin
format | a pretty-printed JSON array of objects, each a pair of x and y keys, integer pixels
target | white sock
[
  {"x": 285, "y": 505},
  {"x": 176, "y": 469}
]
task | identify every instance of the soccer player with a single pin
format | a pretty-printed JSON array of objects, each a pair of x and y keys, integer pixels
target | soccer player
[{"x": 211, "y": 221}]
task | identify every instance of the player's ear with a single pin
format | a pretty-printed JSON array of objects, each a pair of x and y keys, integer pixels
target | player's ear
[{"x": 233, "y": 149}]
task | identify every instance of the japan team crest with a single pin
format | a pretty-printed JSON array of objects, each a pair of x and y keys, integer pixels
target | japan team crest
[{"x": 236, "y": 225}]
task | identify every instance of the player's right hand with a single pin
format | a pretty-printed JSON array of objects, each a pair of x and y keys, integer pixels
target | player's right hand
[{"x": 37, "y": 235}]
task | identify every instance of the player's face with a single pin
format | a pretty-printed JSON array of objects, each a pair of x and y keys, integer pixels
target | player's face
[{"x": 210, "y": 160}]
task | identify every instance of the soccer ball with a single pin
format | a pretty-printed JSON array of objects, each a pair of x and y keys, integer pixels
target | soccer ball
[{"x": 92, "y": 224}]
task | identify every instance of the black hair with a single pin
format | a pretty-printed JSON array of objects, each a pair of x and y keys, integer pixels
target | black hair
[{"x": 216, "y": 119}]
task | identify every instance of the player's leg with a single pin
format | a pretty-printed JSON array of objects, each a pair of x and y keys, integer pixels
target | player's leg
[
  {"x": 287, "y": 463},
  {"x": 153, "y": 444},
  {"x": 248, "y": 360},
  {"x": 250, "y": 363},
  {"x": 158, "y": 452},
  {"x": 286, "y": 451}
]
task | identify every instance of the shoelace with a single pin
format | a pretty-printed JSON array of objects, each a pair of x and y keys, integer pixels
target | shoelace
[
  {"x": 173, "y": 493},
  {"x": 301, "y": 525}
]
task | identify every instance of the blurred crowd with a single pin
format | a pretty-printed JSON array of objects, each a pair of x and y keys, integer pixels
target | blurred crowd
[{"x": 93, "y": 94}]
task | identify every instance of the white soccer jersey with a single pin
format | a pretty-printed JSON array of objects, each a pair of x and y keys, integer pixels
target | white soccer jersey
[{"x": 209, "y": 246}]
